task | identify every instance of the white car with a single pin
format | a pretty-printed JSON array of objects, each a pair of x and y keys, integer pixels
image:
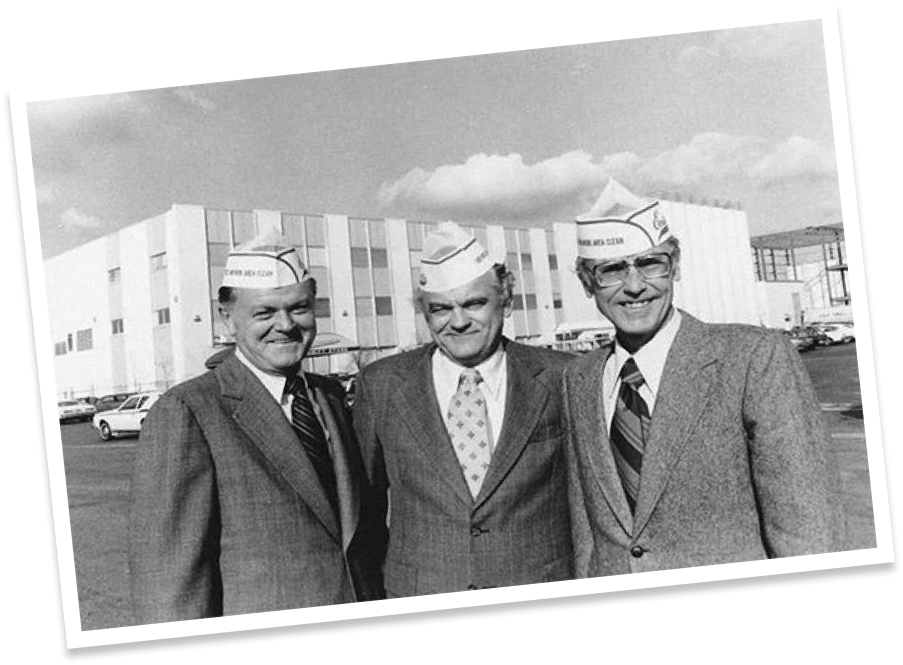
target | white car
[
  {"x": 72, "y": 409},
  {"x": 840, "y": 333},
  {"x": 127, "y": 418}
]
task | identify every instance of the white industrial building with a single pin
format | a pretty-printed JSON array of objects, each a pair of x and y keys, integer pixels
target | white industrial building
[{"x": 136, "y": 309}]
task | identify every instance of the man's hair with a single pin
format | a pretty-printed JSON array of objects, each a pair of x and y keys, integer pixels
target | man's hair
[
  {"x": 504, "y": 283},
  {"x": 584, "y": 266},
  {"x": 226, "y": 294}
]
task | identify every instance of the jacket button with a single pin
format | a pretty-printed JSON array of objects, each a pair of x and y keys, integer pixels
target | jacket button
[
  {"x": 637, "y": 551},
  {"x": 476, "y": 531}
]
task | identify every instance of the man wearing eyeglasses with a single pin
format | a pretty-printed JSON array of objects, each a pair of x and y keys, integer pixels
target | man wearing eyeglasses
[{"x": 690, "y": 443}]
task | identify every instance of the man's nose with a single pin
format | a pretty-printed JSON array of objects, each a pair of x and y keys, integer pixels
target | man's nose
[
  {"x": 282, "y": 321},
  {"x": 459, "y": 318},
  {"x": 634, "y": 281}
]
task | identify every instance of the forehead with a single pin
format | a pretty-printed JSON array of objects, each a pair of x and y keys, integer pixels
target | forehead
[
  {"x": 282, "y": 296},
  {"x": 484, "y": 286}
]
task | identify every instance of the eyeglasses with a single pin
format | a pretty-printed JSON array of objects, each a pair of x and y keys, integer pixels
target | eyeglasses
[{"x": 649, "y": 266}]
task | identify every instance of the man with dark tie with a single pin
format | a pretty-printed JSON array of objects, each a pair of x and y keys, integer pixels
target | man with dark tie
[
  {"x": 464, "y": 437},
  {"x": 248, "y": 492},
  {"x": 690, "y": 443}
]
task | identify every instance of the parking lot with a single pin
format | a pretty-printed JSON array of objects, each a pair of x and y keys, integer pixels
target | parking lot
[{"x": 98, "y": 476}]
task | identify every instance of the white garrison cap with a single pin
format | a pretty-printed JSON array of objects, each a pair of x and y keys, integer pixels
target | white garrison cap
[
  {"x": 451, "y": 258},
  {"x": 620, "y": 224},
  {"x": 266, "y": 262}
]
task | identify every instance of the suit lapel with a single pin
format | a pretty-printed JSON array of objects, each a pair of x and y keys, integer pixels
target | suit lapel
[
  {"x": 590, "y": 426},
  {"x": 416, "y": 406},
  {"x": 346, "y": 470},
  {"x": 524, "y": 403},
  {"x": 264, "y": 423},
  {"x": 688, "y": 383}
]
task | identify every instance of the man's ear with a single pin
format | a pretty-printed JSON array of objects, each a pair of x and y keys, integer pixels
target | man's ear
[{"x": 226, "y": 316}]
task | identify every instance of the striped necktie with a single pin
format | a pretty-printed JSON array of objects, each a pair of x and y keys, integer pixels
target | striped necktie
[
  {"x": 468, "y": 429},
  {"x": 313, "y": 439},
  {"x": 629, "y": 429}
]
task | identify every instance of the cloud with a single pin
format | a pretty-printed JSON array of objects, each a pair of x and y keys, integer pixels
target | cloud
[
  {"x": 77, "y": 220},
  {"x": 505, "y": 187},
  {"x": 192, "y": 98},
  {"x": 797, "y": 157},
  {"x": 764, "y": 42},
  {"x": 44, "y": 194},
  {"x": 495, "y": 186}
]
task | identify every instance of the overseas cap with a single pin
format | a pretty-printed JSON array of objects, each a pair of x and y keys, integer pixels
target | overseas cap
[
  {"x": 620, "y": 224},
  {"x": 451, "y": 257},
  {"x": 266, "y": 262}
]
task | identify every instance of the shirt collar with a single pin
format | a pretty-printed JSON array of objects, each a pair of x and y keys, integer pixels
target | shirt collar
[
  {"x": 490, "y": 369},
  {"x": 650, "y": 359},
  {"x": 274, "y": 384}
]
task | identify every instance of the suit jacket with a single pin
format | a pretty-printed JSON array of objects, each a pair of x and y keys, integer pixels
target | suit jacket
[
  {"x": 228, "y": 515},
  {"x": 735, "y": 467},
  {"x": 516, "y": 531}
]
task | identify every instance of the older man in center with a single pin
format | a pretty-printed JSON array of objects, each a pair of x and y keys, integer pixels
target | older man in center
[{"x": 464, "y": 437}]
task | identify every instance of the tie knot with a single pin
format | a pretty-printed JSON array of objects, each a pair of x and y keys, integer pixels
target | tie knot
[
  {"x": 295, "y": 386},
  {"x": 631, "y": 375},
  {"x": 470, "y": 378}
]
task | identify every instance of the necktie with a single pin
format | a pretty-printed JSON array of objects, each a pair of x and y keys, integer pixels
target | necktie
[
  {"x": 629, "y": 429},
  {"x": 313, "y": 439},
  {"x": 468, "y": 428}
]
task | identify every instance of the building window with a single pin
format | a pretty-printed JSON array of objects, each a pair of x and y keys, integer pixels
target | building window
[
  {"x": 158, "y": 261},
  {"x": 383, "y": 306},
  {"x": 59, "y": 349},
  {"x": 114, "y": 275},
  {"x": 163, "y": 316},
  {"x": 322, "y": 309},
  {"x": 69, "y": 341},
  {"x": 118, "y": 327},
  {"x": 553, "y": 262},
  {"x": 556, "y": 302},
  {"x": 530, "y": 300},
  {"x": 84, "y": 340}
]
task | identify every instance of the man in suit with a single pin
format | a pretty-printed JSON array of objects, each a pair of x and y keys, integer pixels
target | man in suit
[
  {"x": 690, "y": 443},
  {"x": 248, "y": 492},
  {"x": 464, "y": 436}
]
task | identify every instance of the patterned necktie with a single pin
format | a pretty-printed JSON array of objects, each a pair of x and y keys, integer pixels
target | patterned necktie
[
  {"x": 468, "y": 428},
  {"x": 629, "y": 429},
  {"x": 313, "y": 439}
]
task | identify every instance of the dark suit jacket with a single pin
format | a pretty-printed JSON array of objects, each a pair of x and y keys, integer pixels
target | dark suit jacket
[
  {"x": 228, "y": 515},
  {"x": 440, "y": 538},
  {"x": 735, "y": 467}
]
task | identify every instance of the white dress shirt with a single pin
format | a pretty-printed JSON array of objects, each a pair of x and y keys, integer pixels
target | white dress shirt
[
  {"x": 494, "y": 370},
  {"x": 276, "y": 385},
  {"x": 650, "y": 360}
]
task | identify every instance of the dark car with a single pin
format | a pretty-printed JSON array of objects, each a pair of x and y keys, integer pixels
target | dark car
[
  {"x": 112, "y": 401},
  {"x": 800, "y": 339}
]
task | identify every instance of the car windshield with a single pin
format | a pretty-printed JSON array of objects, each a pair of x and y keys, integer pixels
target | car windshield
[{"x": 67, "y": 403}]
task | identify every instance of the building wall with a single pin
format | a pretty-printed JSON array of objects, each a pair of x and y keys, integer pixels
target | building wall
[{"x": 366, "y": 271}]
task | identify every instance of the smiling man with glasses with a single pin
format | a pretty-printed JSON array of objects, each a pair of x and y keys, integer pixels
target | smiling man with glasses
[{"x": 690, "y": 443}]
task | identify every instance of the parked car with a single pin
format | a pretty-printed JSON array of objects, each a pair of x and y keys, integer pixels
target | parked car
[
  {"x": 108, "y": 402},
  {"x": 819, "y": 337},
  {"x": 127, "y": 418},
  {"x": 800, "y": 339},
  {"x": 839, "y": 333},
  {"x": 75, "y": 409}
]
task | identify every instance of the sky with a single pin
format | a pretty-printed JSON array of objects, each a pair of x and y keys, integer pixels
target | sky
[{"x": 519, "y": 138}]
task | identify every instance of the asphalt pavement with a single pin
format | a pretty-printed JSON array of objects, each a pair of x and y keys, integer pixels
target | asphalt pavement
[{"x": 98, "y": 478}]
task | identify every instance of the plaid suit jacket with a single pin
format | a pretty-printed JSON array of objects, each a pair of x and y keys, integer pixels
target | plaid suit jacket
[
  {"x": 228, "y": 515},
  {"x": 440, "y": 538},
  {"x": 735, "y": 468}
]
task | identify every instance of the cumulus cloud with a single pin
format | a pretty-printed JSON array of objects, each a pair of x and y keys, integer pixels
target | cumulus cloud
[
  {"x": 77, "y": 220},
  {"x": 505, "y": 187},
  {"x": 763, "y": 41},
  {"x": 500, "y": 186},
  {"x": 192, "y": 98},
  {"x": 797, "y": 157}
]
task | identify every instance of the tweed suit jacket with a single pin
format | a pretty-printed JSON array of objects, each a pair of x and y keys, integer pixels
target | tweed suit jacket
[
  {"x": 441, "y": 539},
  {"x": 735, "y": 468},
  {"x": 228, "y": 515}
]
